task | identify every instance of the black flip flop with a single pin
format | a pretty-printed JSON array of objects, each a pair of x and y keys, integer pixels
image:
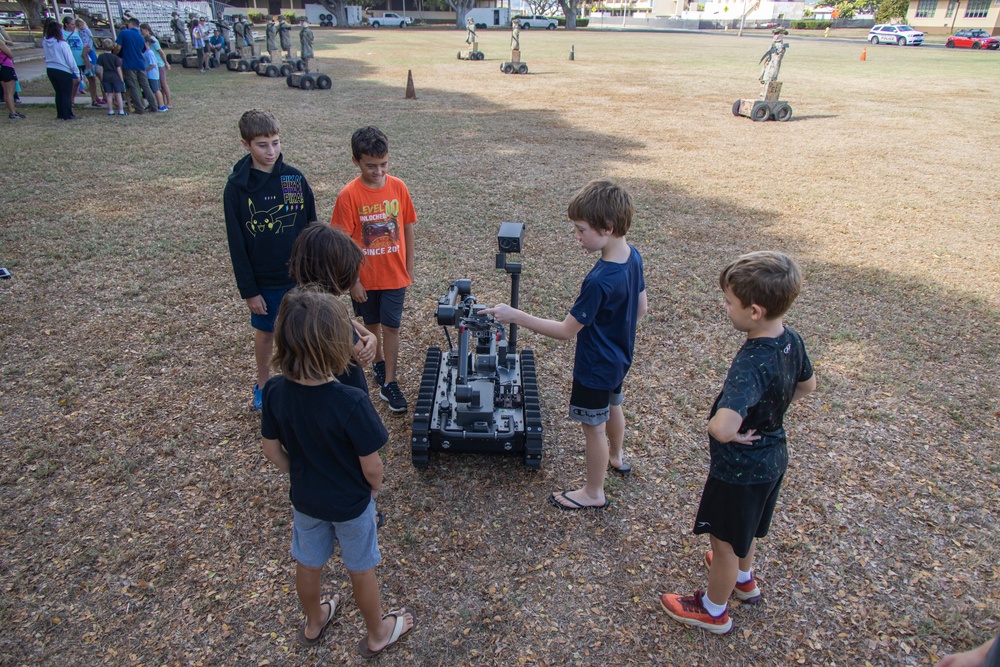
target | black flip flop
[{"x": 576, "y": 506}]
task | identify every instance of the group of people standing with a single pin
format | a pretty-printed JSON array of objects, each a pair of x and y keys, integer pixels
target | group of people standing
[{"x": 135, "y": 60}]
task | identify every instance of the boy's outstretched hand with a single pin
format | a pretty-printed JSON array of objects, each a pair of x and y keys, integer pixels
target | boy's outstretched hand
[{"x": 503, "y": 313}]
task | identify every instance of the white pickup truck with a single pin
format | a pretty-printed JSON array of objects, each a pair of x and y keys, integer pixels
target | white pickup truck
[
  {"x": 390, "y": 18},
  {"x": 538, "y": 22}
]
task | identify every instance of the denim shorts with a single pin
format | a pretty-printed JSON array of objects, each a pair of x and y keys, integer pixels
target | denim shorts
[
  {"x": 272, "y": 299},
  {"x": 113, "y": 86},
  {"x": 313, "y": 540},
  {"x": 384, "y": 306},
  {"x": 593, "y": 406},
  {"x": 154, "y": 85}
]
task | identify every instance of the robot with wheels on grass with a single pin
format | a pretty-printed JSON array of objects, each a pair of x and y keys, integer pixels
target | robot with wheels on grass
[
  {"x": 768, "y": 106},
  {"x": 481, "y": 397}
]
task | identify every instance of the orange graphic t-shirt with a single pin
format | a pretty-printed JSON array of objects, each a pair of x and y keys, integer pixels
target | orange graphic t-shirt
[{"x": 375, "y": 220}]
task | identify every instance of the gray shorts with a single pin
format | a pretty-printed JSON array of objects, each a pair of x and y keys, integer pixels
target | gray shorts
[{"x": 313, "y": 540}]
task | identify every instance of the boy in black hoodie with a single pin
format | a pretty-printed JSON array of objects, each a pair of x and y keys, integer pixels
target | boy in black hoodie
[{"x": 267, "y": 203}]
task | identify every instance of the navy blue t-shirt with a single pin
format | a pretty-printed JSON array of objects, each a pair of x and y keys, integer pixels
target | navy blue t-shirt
[
  {"x": 759, "y": 386},
  {"x": 133, "y": 45},
  {"x": 324, "y": 429},
  {"x": 608, "y": 309}
]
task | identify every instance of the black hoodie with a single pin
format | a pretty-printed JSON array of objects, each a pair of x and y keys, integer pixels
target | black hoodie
[{"x": 264, "y": 214}]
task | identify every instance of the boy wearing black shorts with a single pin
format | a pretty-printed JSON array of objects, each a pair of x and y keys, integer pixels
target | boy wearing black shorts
[
  {"x": 612, "y": 300},
  {"x": 749, "y": 453}
]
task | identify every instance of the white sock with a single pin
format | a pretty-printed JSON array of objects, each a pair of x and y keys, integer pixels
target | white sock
[
  {"x": 716, "y": 610},
  {"x": 744, "y": 577}
]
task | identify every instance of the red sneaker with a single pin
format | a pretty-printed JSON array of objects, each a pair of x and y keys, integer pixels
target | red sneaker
[
  {"x": 747, "y": 593},
  {"x": 689, "y": 610}
]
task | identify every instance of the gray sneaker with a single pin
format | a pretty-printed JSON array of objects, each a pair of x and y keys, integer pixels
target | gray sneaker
[{"x": 392, "y": 393}]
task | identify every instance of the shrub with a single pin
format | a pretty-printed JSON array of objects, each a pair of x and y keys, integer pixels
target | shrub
[
  {"x": 810, "y": 25},
  {"x": 580, "y": 22},
  {"x": 255, "y": 17}
]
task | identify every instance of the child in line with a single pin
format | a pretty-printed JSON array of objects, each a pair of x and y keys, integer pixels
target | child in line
[
  {"x": 266, "y": 204},
  {"x": 326, "y": 436},
  {"x": 326, "y": 257},
  {"x": 376, "y": 211},
  {"x": 112, "y": 80},
  {"x": 749, "y": 454},
  {"x": 612, "y": 300},
  {"x": 153, "y": 73}
]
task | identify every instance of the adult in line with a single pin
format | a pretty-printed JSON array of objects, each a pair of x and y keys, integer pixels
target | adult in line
[
  {"x": 248, "y": 36},
  {"x": 132, "y": 45},
  {"x": 161, "y": 61},
  {"x": 61, "y": 69},
  {"x": 7, "y": 78},
  {"x": 75, "y": 42}
]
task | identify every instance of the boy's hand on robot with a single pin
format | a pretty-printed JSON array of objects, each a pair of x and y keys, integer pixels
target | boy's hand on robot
[
  {"x": 501, "y": 312},
  {"x": 747, "y": 438}
]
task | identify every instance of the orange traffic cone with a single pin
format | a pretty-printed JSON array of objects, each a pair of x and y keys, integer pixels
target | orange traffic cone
[
  {"x": 411, "y": 94},
  {"x": 864, "y": 53}
]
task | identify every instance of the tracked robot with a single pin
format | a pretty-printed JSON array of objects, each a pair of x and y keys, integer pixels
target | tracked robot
[{"x": 481, "y": 396}]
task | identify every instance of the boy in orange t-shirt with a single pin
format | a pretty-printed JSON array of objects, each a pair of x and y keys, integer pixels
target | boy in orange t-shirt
[{"x": 375, "y": 209}]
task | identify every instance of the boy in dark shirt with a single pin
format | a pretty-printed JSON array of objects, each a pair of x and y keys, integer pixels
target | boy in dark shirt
[
  {"x": 749, "y": 454},
  {"x": 266, "y": 203},
  {"x": 326, "y": 436},
  {"x": 612, "y": 300}
]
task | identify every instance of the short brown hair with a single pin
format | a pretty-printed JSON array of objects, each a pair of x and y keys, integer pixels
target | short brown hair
[
  {"x": 257, "y": 123},
  {"x": 604, "y": 206},
  {"x": 325, "y": 256},
  {"x": 768, "y": 279},
  {"x": 107, "y": 44},
  {"x": 312, "y": 336},
  {"x": 369, "y": 140}
]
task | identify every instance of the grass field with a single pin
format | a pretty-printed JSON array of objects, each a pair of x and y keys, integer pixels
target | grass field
[{"x": 142, "y": 526}]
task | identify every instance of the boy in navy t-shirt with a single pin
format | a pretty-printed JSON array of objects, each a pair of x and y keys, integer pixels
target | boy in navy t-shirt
[
  {"x": 326, "y": 436},
  {"x": 746, "y": 432},
  {"x": 612, "y": 301}
]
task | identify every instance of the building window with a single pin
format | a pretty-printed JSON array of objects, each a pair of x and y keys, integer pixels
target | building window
[
  {"x": 951, "y": 9},
  {"x": 977, "y": 9},
  {"x": 926, "y": 8}
]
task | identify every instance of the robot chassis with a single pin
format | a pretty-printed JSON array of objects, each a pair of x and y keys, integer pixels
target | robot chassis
[{"x": 483, "y": 396}]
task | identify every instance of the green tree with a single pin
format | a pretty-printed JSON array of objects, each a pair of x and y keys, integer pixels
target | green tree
[
  {"x": 845, "y": 9},
  {"x": 890, "y": 10}
]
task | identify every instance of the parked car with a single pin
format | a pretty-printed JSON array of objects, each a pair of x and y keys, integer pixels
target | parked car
[
  {"x": 10, "y": 19},
  {"x": 390, "y": 18},
  {"x": 539, "y": 22},
  {"x": 975, "y": 38},
  {"x": 895, "y": 34}
]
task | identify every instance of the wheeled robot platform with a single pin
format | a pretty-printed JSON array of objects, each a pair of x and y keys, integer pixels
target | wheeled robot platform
[
  {"x": 481, "y": 397},
  {"x": 472, "y": 54},
  {"x": 514, "y": 65},
  {"x": 768, "y": 107},
  {"x": 309, "y": 81}
]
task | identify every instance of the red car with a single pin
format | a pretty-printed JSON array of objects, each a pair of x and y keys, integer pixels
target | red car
[{"x": 973, "y": 39}]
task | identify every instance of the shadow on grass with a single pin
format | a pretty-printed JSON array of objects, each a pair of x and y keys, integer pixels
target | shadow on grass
[{"x": 131, "y": 461}]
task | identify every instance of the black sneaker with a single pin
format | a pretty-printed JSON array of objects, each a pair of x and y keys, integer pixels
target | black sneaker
[
  {"x": 378, "y": 368},
  {"x": 392, "y": 393}
]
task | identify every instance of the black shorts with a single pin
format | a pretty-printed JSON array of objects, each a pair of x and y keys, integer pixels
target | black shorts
[
  {"x": 593, "y": 406},
  {"x": 7, "y": 74},
  {"x": 736, "y": 513},
  {"x": 384, "y": 306}
]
